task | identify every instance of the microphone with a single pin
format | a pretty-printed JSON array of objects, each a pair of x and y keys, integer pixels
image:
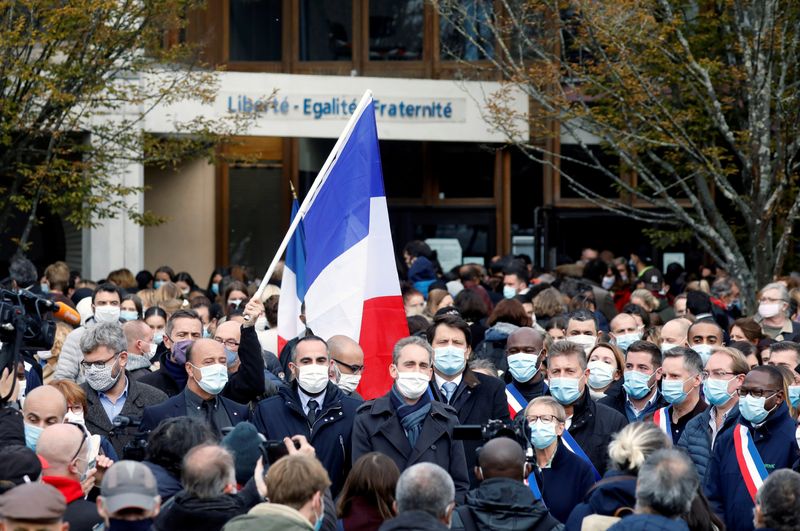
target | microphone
[{"x": 66, "y": 314}]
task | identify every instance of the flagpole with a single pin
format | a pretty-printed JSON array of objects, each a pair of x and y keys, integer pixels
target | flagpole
[{"x": 312, "y": 192}]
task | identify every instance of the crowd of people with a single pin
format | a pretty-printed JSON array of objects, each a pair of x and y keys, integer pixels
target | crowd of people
[{"x": 603, "y": 394}]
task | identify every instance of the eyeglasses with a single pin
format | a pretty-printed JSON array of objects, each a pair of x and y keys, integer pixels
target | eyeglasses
[
  {"x": 547, "y": 419},
  {"x": 769, "y": 300},
  {"x": 756, "y": 393},
  {"x": 230, "y": 343},
  {"x": 717, "y": 374},
  {"x": 523, "y": 350},
  {"x": 83, "y": 440},
  {"x": 355, "y": 368},
  {"x": 98, "y": 364}
]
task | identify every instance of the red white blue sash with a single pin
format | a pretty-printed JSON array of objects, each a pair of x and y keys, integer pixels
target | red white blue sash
[
  {"x": 516, "y": 402},
  {"x": 750, "y": 463},
  {"x": 572, "y": 445},
  {"x": 662, "y": 419}
]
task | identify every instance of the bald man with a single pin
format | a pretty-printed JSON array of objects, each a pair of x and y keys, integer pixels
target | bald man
[
  {"x": 502, "y": 493},
  {"x": 348, "y": 358},
  {"x": 207, "y": 371},
  {"x": 141, "y": 348},
  {"x": 44, "y": 406},
  {"x": 674, "y": 334},
  {"x": 65, "y": 449}
]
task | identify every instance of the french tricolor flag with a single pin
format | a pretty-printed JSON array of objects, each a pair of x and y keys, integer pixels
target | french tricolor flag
[
  {"x": 293, "y": 285},
  {"x": 351, "y": 283}
]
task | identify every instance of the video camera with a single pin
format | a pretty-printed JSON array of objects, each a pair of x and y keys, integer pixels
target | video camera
[
  {"x": 22, "y": 326},
  {"x": 135, "y": 449},
  {"x": 491, "y": 430}
]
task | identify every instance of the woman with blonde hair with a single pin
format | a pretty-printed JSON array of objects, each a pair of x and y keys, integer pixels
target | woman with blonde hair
[
  {"x": 437, "y": 298},
  {"x": 50, "y": 357}
]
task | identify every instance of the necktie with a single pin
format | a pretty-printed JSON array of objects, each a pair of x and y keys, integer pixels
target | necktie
[
  {"x": 313, "y": 405},
  {"x": 449, "y": 389}
]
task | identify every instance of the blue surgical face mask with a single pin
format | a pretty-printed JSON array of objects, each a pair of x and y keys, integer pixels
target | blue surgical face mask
[
  {"x": 704, "y": 351},
  {"x": 716, "y": 391},
  {"x": 565, "y": 390},
  {"x": 215, "y": 288},
  {"x": 32, "y": 434},
  {"x": 673, "y": 391},
  {"x": 794, "y": 395},
  {"x": 637, "y": 384},
  {"x": 157, "y": 284},
  {"x": 522, "y": 366},
  {"x": 231, "y": 357},
  {"x": 128, "y": 315},
  {"x": 449, "y": 360},
  {"x": 626, "y": 340},
  {"x": 752, "y": 408},
  {"x": 45, "y": 288},
  {"x": 158, "y": 337},
  {"x": 543, "y": 434},
  {"x": 509, "y": 292},
  {"x": 601, "y": 374}
]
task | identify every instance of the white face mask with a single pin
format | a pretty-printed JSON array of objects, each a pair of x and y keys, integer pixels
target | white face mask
[
  {"x": 768, "y": 310},
  {"x": 349, "y": 382},
  {"x": 412, "y": 384},
  {"x": 106, "y": 314},
  {"x": 587, "y": 342},
  {"x": 44, "y": 354},
  {"x": 312, "y": 378},
  {"x": 153, "y": 348},
  {"x": 261, "y": 322},
  {"x": 77, "y": 418}
]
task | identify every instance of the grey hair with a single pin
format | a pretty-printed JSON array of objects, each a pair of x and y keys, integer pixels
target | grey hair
[
  {"x": 206, "y": 475},
  {"x": 425, "y": 487},
  {"x": 778, "y": 498},
  {"x": 565, "y": 348},
  {"x": 784, "y": 293},
  {"x": 691, "y": 359},
  {"x": 557, "y": 409},
  {"x": 108, "y": 335},
  {"x": 22, "y": 271},
  {"x": 484, "y": 364},
  {"x": 667, "y": 483},
  {"x": 412, "y": 340},
  {"x": 631, "y": 445},
  {"x": 722, "y": 287}
]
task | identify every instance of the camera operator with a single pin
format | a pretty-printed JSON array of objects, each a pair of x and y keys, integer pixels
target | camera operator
[{"x": 109, "y": 391}]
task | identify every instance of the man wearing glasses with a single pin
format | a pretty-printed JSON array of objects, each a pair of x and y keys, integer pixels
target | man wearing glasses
[
  {"x": 722, "y": 378},
  {"x": 348, "y": 364},
  {"x": 762, "y": 441},
  {"x": 64, "y": 451},
  {"x": 109, "y": 390}
]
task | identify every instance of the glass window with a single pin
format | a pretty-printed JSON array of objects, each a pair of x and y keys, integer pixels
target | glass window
[
  {"x": 402, "y": 168},
  {"x": 395, "y": 30},
  {"x": 255, "y": 30},
  {"x": 257, "y": 215},
  {"x": 463, "y": 170},
  {"x": 465, "y": 30},
  {"x": 574, "y": 163},
  {"x": 326, "y": 30},
  {"x": 526, "y": 189}
]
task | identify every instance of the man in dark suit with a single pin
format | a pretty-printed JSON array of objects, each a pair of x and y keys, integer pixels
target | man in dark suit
[
  {"x": 207, "y": 374},
  {"x": 476, "y": 397},
  {"x": 405, "y": 424},
  {"x": 109, "y": 390}
]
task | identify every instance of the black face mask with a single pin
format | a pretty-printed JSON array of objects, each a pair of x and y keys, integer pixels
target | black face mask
[{"x": 130, "y": 525}]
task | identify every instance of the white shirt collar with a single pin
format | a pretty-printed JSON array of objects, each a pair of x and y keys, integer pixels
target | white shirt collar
[
  {"x": 440, "y": 381},
  {"x": 304, "y": 398}
]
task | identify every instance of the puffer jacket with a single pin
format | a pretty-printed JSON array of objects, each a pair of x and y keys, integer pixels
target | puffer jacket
[
  {"x": 504, "y": 504},
  {"x": 696, "y": 437}
]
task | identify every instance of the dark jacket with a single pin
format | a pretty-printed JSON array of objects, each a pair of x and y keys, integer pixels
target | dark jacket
[
  {"x": 12, "y": 427},
  {"x": 362, "y": 515},
  {"x": 478, "y": 398},
  {"x": 615, "y": 491},
  {"x": 593, "y": 424},
  {"x": 189, "y": 512},
  {"x": 724, "y": 486},
  {"x": 649, "y": 522},
  {"x": 493, "y": 346},
  {"x": 244, "y": 385},
  {"x": 504, "y": 504},
  {"x": 562, "y": 496},
  {"x": 696, "y": 437},
  {"x": 413, "y": 521},
  {"x": 282, "y": 416},
  {"x": 617, "y": 400},
  {"x": 139, "y": 397},
  {"x": 377, "y": 429},
  {"x": 168, "y": 484},
  {"x": 176, "y": 407}
]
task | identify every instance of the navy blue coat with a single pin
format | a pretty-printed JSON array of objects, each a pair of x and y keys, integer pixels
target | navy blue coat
[
  {"x": 478, "y": 398},
  {"x": 282, "y": 416},
  {"x": 724, "y": 486},
  {"x": 649, "y": 522},
  {"x": 617, "y": 399},
  {"x": 377, "y": 429},
  {"x": 565, "y": 483},
  {"x": 615, "y": 491},
  {"x": 176, "y": 407},
  {"x": 696, "y": 437}
]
